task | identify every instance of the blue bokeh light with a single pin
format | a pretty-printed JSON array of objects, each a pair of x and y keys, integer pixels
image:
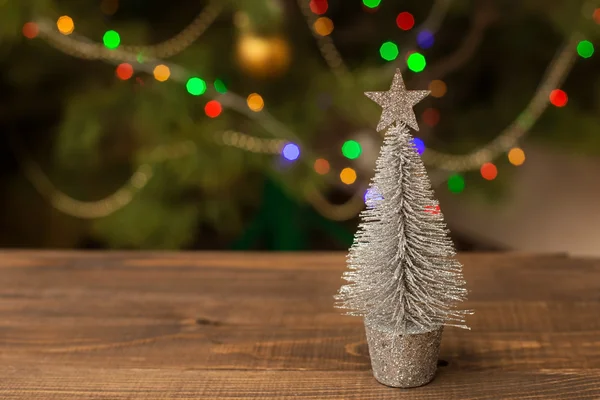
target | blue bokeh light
[
  {"x": 425, "y": 39},
  {"x": 372, "y": 197},
  {"x": 291, "y": 151},
  {"x": 419, "y": 145}
]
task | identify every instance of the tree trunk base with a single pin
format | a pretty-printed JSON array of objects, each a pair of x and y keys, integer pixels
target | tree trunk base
[{"x": 403, "y": 361}]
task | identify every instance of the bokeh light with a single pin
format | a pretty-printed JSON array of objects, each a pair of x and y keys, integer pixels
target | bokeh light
[
  {"x": 431, "y": 117},
  {"x": 416, "y": 62},
  {"x": 255, "y": 102},
  {"x": 161, "y": 73},
  {"x": 389, "y": 51},
  {"x": 195, "y": 86},
  {"x": 321, "y": 166},
  {"x": 111, "y": 39},
  {"x": 489, "y": 171},
  {"x": 559, "y": 98},
  {"x": 372, "y": 197},
  {"x": 438, "y": 88},
  {"x": 65, "y": 25},
  {"x": 425, "y": 39},
  {"x": 516, "y": 156},
  {"x": 323, "y": 26},
  {"x": 124, "y": 71},
  {"x": 371, "y": 3},
  {"x": 419, "y": 145},
  {"x": 456, "y": 183},
  {"x": 596, "y": 16},
  {"x": 319, "y": 7},
  {"x": 351, "y": 149},
  {"x": 213, "y": 109},
  {"x": 290, "y": 151},
  {"x": 220, "y": 86},
  {"x": 405, "y": 21},
  {"x": 31, "y": 30},
  {"x": 109, "y": 7},
  {"x": 348, "y": 176},
  {"x": 585, "y": 49},
  {"x": 435, "y": 210}
]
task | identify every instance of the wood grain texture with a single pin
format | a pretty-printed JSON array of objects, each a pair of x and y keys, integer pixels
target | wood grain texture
[{"x": 250, "y": 325}]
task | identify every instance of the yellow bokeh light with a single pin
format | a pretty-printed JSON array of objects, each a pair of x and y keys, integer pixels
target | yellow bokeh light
[
  {"x": 161, "y": 73},
  {"x": 516, "y": 156},
  {"x": 348, "y": 176},
  {"x": 65, "y": 25},
  {"x": 438, "y": 88},
  {"x": 323, "y": 26},
  {"x": 255, "y": 102}
]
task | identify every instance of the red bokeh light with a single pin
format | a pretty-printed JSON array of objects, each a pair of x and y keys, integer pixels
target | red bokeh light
[
  {"x": 124, "y": 71},
  {"x": 405, "y": 21},
  {"x": 596, "y": 16},
  {"x": 213, "y": 109},
  {"x": 30, "y": 30},
  {"x": 431, "y": 117},
  {"x": 489, "y": 171},
  {"x": 558, "y": 98},
  {"x": 319, "y": 7}
]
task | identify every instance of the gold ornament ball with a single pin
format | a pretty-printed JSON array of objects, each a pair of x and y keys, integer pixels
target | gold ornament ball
[{"x": 263, "y": 57}]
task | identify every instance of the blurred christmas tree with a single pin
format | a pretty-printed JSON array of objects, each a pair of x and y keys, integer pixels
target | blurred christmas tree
[{"x": 182, "y": 137}]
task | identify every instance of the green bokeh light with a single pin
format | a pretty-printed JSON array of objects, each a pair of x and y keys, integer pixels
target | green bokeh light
[
  {"x": 351, "y": 149},
  {"x": 111, "y": 39},
  {"x": 389, "y": 51},
  {"x": 371, "y": 3},
  {"x": 220, "y": 86},
  {"x": 585, "y": 49},
  {"x": 456, "y": 183},
  {"x": 416, "y": 62},
  {"x": 195, "y": 86}
]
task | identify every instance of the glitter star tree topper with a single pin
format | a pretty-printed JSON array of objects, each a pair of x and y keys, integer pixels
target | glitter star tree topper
[{"x": 403, "y": 276}]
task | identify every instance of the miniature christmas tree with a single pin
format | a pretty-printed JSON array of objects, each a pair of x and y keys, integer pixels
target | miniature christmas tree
[{"x": 403, "y": 277}]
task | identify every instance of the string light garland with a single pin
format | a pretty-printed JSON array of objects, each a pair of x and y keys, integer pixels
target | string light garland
[
  {"x": 416, "y": 62},
  {"x": 438, "y": 88},
  {"x": 161, "y": 73},
  {"x": 323, "y": 26},
  {"x": 213, "y": 109},
  {"x": 558, "y": 98},
  {"x": 196, "y": 86},
  {"x": 124, "y": 71},
  {"x": 65, "y": 25},
  {"x": 30, "y": 30},
  {"x": 516, "y": 156},
  {"x": 425, "y": 39},
  {"x": 431, "y": 117},
  {"x": 371, "y": 3},
  {"x": 319, "y": 7},
  {"x": 419, "y": 145},
  {"x": 489, "y": 171},
  {"x": 585, "y": 49},
  {"x": 348, "y": 176},
  {"x": 405, "y": 21},
  {"x": 389, "y": 51},
  {"x": 290, "y": 151},
  {"x": 219, "y": 86},
  {"x": 456, "y": 183},
  {"x": 351, "y": 149},
  {"x": 111, "y": 39},
  {"x": 321, "y": 166},
  {"x": 255, "y": 102}
]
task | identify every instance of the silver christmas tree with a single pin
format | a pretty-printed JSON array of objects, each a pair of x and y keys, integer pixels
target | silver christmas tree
[{"x": 403, "y": 277}]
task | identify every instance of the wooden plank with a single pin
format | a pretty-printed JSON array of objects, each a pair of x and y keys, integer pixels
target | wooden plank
[
  {"x": 215, "y": 325},
  {"x": 34, "y": 383}
]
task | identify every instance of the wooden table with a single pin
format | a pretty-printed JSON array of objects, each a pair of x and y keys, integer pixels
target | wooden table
[{"x": 232, "y": 325}]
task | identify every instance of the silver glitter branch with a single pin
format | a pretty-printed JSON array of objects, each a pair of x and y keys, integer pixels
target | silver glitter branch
[{"x": 402, "y": 267}]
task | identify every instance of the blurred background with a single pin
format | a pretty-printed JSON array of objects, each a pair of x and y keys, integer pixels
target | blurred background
[{"x": 242, "y": 124}]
